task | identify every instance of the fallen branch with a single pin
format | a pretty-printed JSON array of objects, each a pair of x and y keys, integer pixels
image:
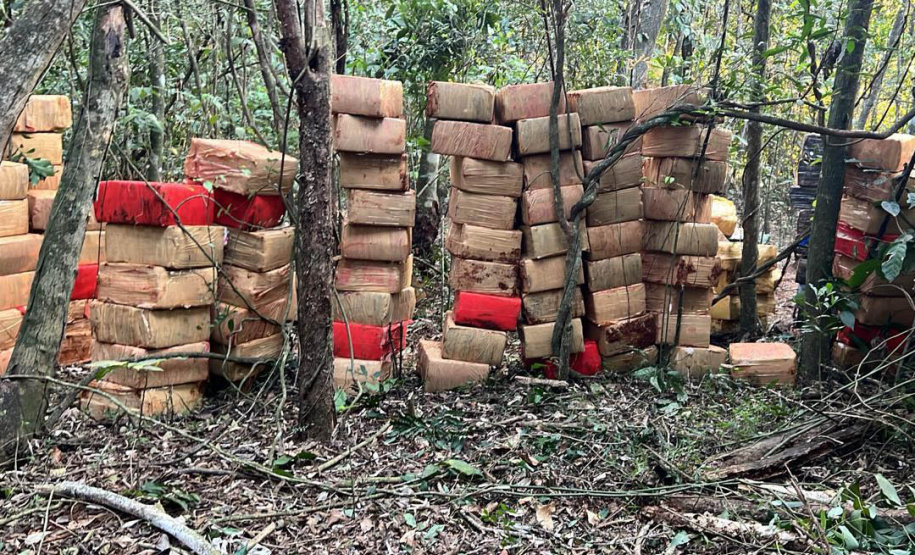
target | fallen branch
[
  {"x": 725, "y": 528},
  {"x": 75, "y": 490},
  {"x": 527, "y": 380},
  {"x": 334, "y": 461}
]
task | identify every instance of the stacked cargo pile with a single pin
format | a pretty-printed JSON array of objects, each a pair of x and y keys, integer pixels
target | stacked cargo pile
[
  {"x": 18, "y": 254},
  {"x": 481, "y": 236},
  {"x": 807, "y": 177},
  {"x": 726, "y": 312},
  {"x": 871, "y": 177},
  {"x": 155, "y": 293},
  {"x": 374, "y": 273},
  {"x": 614, "y": 297},
  {"x": 254, "y": 296},
  {"x": 683, "y": 166}
]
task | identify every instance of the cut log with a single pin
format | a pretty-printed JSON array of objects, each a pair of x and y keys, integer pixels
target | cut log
[
  {"x": 624, "y": 174},
  {"x": 240, "y": 166},
  {"x": 543, "y": 307},
  {"x": 613, "y": 272},
  {"x": 545, "y": 274},
  {"x": 15, "y": 214},
  {"x": 537, "y": 170},
  {"x": 677, "y": 238},
  {"x": 381, "y": 172},
  {"x": 691, "y": 271},
  {"x": 631, "y": 360},
  {"x": 490, "y": 278},
  {"x": 154, "y": 286},
  {"x": 459, "y": 101},
  {"x": 597, "y": 140},
  {"x": 369, "y": 242},
  {"x": 537, "y": 205},
  {"x": 490, "y": 211},
  {"x": 486, "y": 311},
  {"x": 611, "y": 305},
  {"x": 47, "y": 146},
  {"x": 616, "y": 207},
  {"x": 14, "y": 181},
  {"x": 155, "y": 204},
  {"x": 666, "y": 299},
  {"x": 546, "y": 240},
  {"x": 367, "y": 275},
  {"x": 603, "y": 104},
  {"x": 676, "y": 205},
  {"x": 369, "y": 135},
  {"x": 364, "y": 96},
  {"x": 19, "y": 253},
  {"x": 472, "y": 140},
  {"x": 45, "y": 113},
  {"x": 487, "y": 177},
  {"x": 260, "y": 251},
  {"x": 481, "y": 243},
  {"x": 536, "y": 340},
  {"x": 382, "y": 209},
  {"x": 695, "y": 362},
  {"x": 472, "y": 344},
  {"x": 699, "y": 176},
  {"x": 695, "y": 330},
  {"x": 609, "y": 241},
  {"x": 889, "y": 155},
  {"x": 531, "y": 100},
  {"x": 14, "y": 290},
  {"x": 687, "y": 142},
  {"x": 439, "y": 374},
  {"x": 350, "y": 373},
  {"x": 171, "y": 247},
  {"x": 651, "y": 102},
  {"x": 532, "y": 136},
  {"x": 154, "y": 373},
  {"x": 153, "y": 329}
]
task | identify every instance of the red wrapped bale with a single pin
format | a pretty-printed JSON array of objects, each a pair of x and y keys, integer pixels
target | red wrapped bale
[
  {"x": 86, "y": 284},
  {"x": 369, "y": 342},
  {"x": 153, "y": 204},
  {"x": 249, "y": 213},
  {"x": 486, "y": 311}
]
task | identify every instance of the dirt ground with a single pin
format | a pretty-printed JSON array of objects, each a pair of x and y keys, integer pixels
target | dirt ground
[{"x": 500, "y": 467}]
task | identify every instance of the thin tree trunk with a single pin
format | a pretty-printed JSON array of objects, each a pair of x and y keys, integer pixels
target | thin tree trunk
[
  {"x": 157, "y": 86},
  {"x": 749, "y": 322},
  {"x": 314, "y": 245},
  {"x": 26, "y": 50},
  {"x": 263, "y": 60},
  {"x": 339, "y": 15},
  {"x": 643, "y": 23},
  {"x": 428, "y": 207},
  {"x": 22, "y": 402},
  {"x": 815, "y": 344},
  {"x": 870, "y": 99}
]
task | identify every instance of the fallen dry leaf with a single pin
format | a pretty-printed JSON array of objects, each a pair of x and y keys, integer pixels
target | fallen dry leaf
[{"x": 545, "y": 516}]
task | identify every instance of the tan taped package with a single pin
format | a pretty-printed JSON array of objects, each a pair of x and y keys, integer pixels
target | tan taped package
[
  {"x": 481, "y": 243},
  {"x": 172, "y": 400},
  {"x": 472, "y": 344},
  {"x": 14, "y": 289},
  {"x": 14, "y": 217},
  {"x": 170, "y": 247},
  {"x": 240, "y": 166},
  {"x": 14, "y": 181},
  {"x": 764, "y": 363},
  {"x": 47, "y": 146},
  {"x": 151, "y": 329},
  {"x": 45, "y": 113},
  {"x": 259, "y": 251},
  {"x": 154, "y": 286},
  {"x": 140, "y": 375},
  {"x": 439, "y": 374},
  {"x": 487, "y": 177}
]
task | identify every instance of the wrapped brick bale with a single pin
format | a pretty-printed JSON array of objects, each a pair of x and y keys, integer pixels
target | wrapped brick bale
[
  {"x": 631, "y": 360},
  {"x": 491, "y": 278},
  {"x": 624, "y": 174},
  {"x": 254, "y": 289},
  {"x": 545, "y": 274},
  {"x": 472, "y": 344},
  {"x": 259, "y": 251},
  {"x": 609, "y": 241},
  {"x": 155, "y": 329},
  {"x": 530, "y": 100},
  {"x": 45, "y": 113},
  {"x": 546, "y": 240},
  {"x": 152, "y": 204},
  {"x": 236, "y": 325},
  {"x": 610, "y": 305},
  {"x": 865, "y": 216},
  {"x": 170, "y": 370},
  {"x": 635, "y": 332},
  {"x": 369, "y": 275},
  {"x": 698, "y": 176},
  {"x": 369, "y": 242},
  {"x": 685, "y": 270},
  {"x": 486, "y": 311},
  {"x": 536, "y": 340},
  {"x": 609, "y": 273},
  {"x": 537, "y": 206},
  {"x": 364, "y": 96},
  {"x": 439, "y": 374},
  {"x": 240, "y": 166},
  {"x": 874, "y": 185},
  {"x": 382, "y": 172},
  {"x": 652, "y": 102},
  {"x": 889, "y": 155},
  {"x": 375, "y": 309},
  {"x": 597, "y": 140},
  {"x": 472, "y": 140},
  {"x": 695, "y": 330},
  {"x": 763, "y": 363},
  {"x": 10, "y": 320},
  {"x": 14, "y": 216},
  {"x": 603, "y": 104},
  {"x": 616, "y": 207},
  {"x": 677, "y": 238},
  {"x": 350, "y": 373},
  {"x": 543, "y": 307},
  {"x": 14, "y": 181},
  {"x": 532, "y": 136},
  {"x": 669, "y": 299},
  {"x": 537, "y": 170},
  {"x": 481, "y": 243},
  {"x": 676, "y": 205},
  {"x": 381, "y": 209},
  {"x": 171, "y": 247},
  {"x": 14, "y": 289},
  {"x": 370, "y": 135},
  {"x": 490, "y": 211},
  {"x": 696, "y": 362},
  {"x": 174, "y": 400},
  {"x": 47, "y": 146},
  {"x": 459, "y": 101},
  {"x": 687, "y": 142},
  {"x": 486, "y": 177}
]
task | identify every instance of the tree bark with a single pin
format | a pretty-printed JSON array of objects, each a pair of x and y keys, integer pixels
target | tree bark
[
  {"x": 815, "y": 344},
  {"x": 339, "y": 15},
  {"x": 26, "y": 50},
  {"x": 428, "y": 207},
  {"x": 873, "y": 92},
  {"x": 22, "y": 402},
  {"x": 263, "y": 60},
  {"x": 309, "y": 73},
  {"x": 749, "y": 322},
  {"x": 643, "y": 23},
  {"x": 157, "y": 86}
]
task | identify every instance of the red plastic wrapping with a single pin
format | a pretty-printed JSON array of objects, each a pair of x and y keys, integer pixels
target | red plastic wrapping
[
  {"x": 370, "y": 342},
  {"x": 136, "y": 202},
  {"x": 872, "y": 336},
  {"x": 86, "y": 282},
  {"x": 486, "y": 311},
  {"x": 585, "y": 364},
  {"x": 855, "y": 244},
  {"x": 249, "y": 213}
]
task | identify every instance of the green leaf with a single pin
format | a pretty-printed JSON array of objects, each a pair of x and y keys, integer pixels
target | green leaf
[
  {"x": 410, "y": 520},
  {"x": 848, "y": 318},
  {"x": 890, "y": 206},
  {"x": 888, "y": 490},
  {"x": 463, "y": 467},
  {"x": 681, "y": 538},
  {"x": 861, "y": 271},
  {"x": 848, "y": 539}
]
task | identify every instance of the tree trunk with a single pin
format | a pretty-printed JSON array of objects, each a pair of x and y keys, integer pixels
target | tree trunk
[
  {"x": 749, "y": 322},
  {"x": 873, "y": 92},
  {"x": 263, "y": 60},
  {"x": 314, "y": 242},
  {"x": 643, "y": 23},
  {"x": 26, "y": 50},
  {"x": 815, "y": 344},
  {"x": 157, "y": 86},
  {"x": 428, "y": 212},
  {"x": 22, "y": 402},
  {"x": 339, "y": 15}
]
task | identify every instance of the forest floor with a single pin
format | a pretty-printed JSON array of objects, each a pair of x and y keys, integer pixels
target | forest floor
[{"x": 501, "y": 467}]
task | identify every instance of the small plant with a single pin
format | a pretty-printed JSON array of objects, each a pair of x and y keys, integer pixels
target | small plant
[{"x": 831, "y": 310}]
